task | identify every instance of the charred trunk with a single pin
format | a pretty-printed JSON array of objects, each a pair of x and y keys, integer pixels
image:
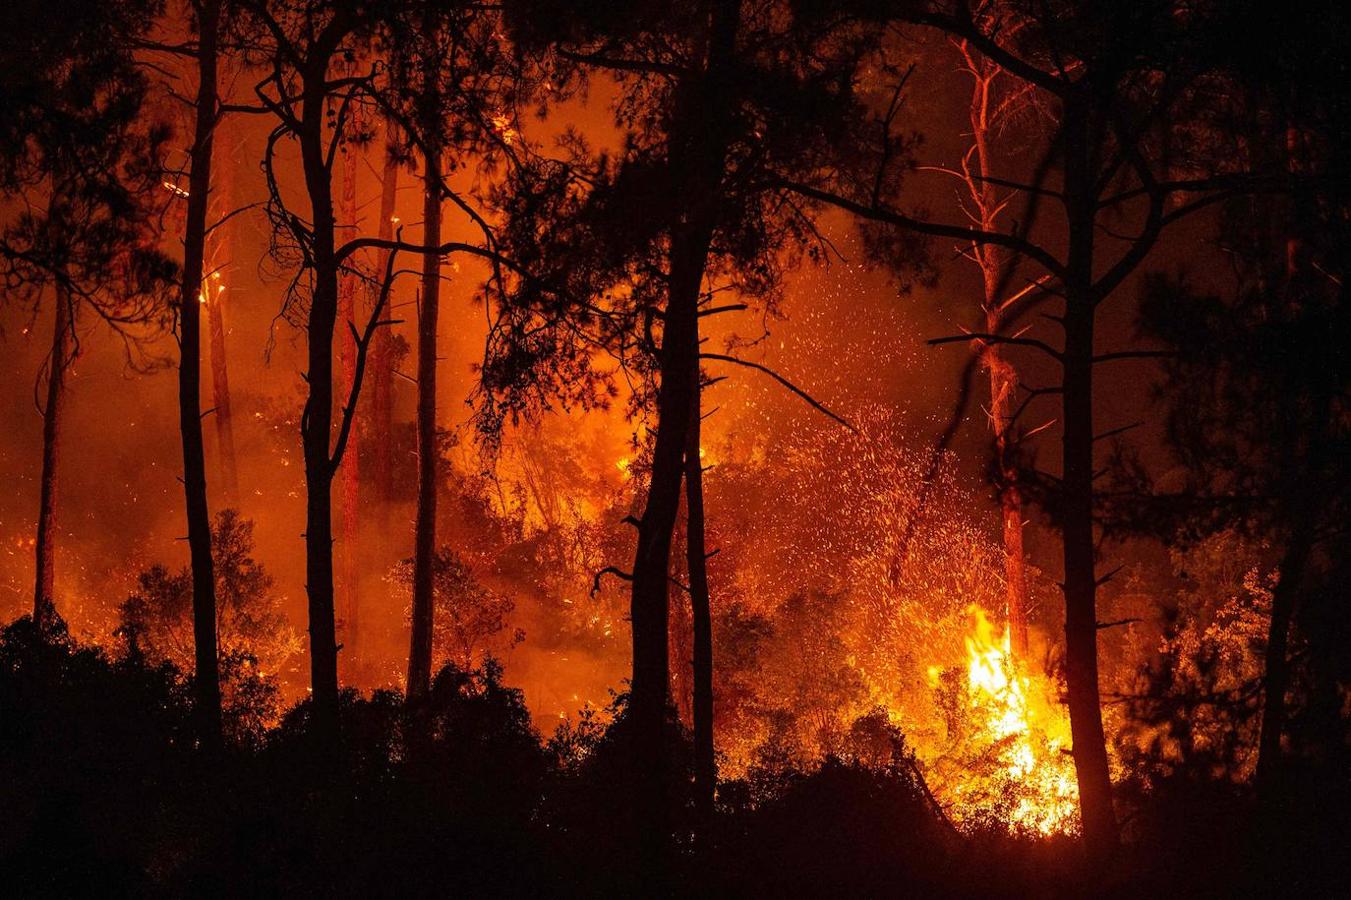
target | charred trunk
[
  {"x": 192, "y": 292},
  {"x": 1003, "y": 387},
  {"x": 424, "y": 528},
  {"x": 317, "y": 421},
  {"x": 994, "y": 267},
  {"x": 1076, "y": 502},
  {"x": 44, "y": 581}
]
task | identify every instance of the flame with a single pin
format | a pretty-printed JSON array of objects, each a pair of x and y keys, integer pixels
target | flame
[
  {"x": 1019, "y": 733},
  {"x": 502, "y": 125}
]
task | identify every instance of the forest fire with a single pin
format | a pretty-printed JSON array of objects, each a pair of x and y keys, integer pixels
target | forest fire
[
  {"x": 1014, "y": 741},
  {"x": 675, "y": 447}
]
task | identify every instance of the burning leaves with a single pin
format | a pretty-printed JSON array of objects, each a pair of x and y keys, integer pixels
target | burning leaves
[{"x": 1007, "y": 758}]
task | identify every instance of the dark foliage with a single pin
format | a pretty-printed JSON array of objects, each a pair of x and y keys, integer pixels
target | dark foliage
[{"x": 105, "y": 793}]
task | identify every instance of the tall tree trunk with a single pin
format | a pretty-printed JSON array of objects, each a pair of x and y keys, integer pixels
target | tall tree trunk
[
  {"x": 317, "y": 420},
  {"x": 1003, "y": 385},
  {"x": 1080, "y": 586},
  {"x": 351, "y": 483},
  {"x": 649, "y": 607},
  {"x": 992, "y": 261},
  {"x": 424, "y": 528},
  {"x": 382, "y": 352},
  {"x": 216, "y": 294},
  {"x": 44, "y": 581},
  {"x": 1300, "y": 513},
  {"x": 192, "y": 293},
  {"x": 697, "y": 149},
  {"x": 1276, "y": 673},
  {"x": 705, "y": 765},
  {"x": 1078, "y": 534}
]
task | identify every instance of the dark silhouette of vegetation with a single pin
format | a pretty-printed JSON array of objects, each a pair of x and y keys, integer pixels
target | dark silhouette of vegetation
[
  {"x": 1259, "y": 379},
  {"x": 819, "y": 700},
  {"x": 104, "y": 791}
]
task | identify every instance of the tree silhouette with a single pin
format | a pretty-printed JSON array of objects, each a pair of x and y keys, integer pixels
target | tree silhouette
[
  {"x": 711, "y": 98},
  {"x": 76, "y": 136},
  {"x": 452, "y": 90},
  {"x": 1119, "y": 81},
  {"x": 301, "y": 45}
]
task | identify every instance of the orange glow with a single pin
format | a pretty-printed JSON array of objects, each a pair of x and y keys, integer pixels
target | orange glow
[{"x": 1018, "y": 734}]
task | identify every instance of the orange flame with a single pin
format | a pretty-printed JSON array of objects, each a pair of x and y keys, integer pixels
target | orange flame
[{"x": 1017, "y": 724}]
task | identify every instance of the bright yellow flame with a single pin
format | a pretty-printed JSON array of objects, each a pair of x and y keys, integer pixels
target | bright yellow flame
[
  {"x": 1018, "y": 724},
  {"x": 502, "y": 125}
]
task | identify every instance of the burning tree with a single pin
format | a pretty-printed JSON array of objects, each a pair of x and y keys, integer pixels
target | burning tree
[{"x": 1120, "y": 83}]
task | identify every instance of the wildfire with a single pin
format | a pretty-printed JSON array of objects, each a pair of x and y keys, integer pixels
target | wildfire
[{"x": 1012, "y": 741}]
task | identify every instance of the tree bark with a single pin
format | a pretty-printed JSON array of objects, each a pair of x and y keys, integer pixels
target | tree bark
[
  {"x": 44, "y": 580},
  {"x": 424, "y": 528},
  {"x": 191, "y": 296},
  {"x": 705, "y": 764},
  {"x": 1003, "y": 377},
  {"x": 697, "y": 149},
  {"x": 1080, "y": 585},
  {"x": 317, "y": 420},
  {"x": 649, "y": 606}
]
